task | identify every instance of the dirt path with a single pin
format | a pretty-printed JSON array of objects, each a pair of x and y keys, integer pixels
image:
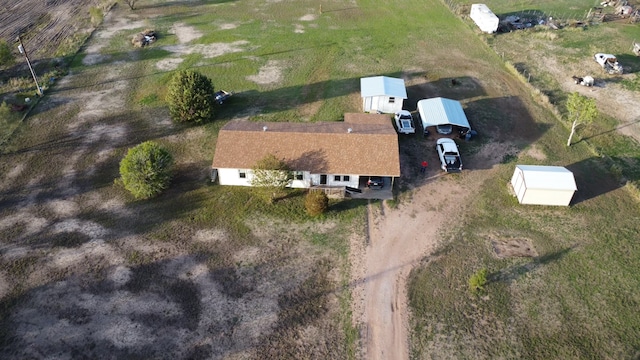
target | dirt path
[{"x": 398, "y": 240}]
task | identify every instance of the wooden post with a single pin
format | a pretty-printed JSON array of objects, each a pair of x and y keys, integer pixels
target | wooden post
[
  {"x": 24, "y": 52},
  {"x": 320, "y": 8}
]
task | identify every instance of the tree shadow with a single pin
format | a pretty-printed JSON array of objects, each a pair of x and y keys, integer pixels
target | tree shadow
[
  {"x": 514, "y": 272},
  {"x": 630, "y": 63},
  {"x": 592, "y": 184},
  {"x": 311, "y": 160}
]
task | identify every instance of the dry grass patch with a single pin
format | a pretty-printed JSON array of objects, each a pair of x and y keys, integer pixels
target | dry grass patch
[{"x": 508, "y": 248}]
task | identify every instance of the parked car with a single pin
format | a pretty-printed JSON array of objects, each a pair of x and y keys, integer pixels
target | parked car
[
  {"x": 404, "y": 122},
  {"x": 450, "y": 160},
  {"x": 609, "y": 63},
  {"x": 221, "y": 96},
  {"x": 444, "y": 129},
  {"x": 375, "y": 182}
]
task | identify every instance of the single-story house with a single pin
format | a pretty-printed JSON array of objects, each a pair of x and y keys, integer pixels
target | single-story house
[
  {"x": 324, "y": 154},
  {"x": 382, "y": 94},
  {"x": 486, "y": 20},
  {"x": 543, "y": 185},
  {"x": 441, "y": 111}
]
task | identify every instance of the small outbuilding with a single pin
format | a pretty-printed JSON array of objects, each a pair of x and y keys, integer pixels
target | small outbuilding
[
  {"x": 382, "y": 94},
  {"x": 441, "y": 111},
  {"x": 543, "y": 185},
  {"x": 486, "y": 20}
]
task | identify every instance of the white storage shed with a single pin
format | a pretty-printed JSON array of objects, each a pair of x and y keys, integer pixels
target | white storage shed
[
  {"x": 382, "y": 94},
  {"x": 486, "y": 20},
  {"x": 543, "y": 185}
]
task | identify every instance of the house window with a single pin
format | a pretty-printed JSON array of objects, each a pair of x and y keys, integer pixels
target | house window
[
  {"x": 392, "y": 100},
  {"x": 345, "y": 178},
  {"x": 242, "y": 174},
  {"x": 298, "y": 175},
  {"x": 336, "y": 178}
]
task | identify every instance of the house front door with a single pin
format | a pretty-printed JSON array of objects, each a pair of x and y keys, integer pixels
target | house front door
[{"x": 323, "y": 179}]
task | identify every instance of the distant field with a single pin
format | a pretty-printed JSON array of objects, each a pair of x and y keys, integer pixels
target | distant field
[{"x": 215, "y": 272}]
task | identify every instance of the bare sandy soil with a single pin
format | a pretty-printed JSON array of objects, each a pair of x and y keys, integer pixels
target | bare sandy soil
[{"x": 88, "y": 298}]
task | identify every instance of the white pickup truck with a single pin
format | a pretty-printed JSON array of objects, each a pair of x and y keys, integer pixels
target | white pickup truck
[{"x": 450, "y": 160}]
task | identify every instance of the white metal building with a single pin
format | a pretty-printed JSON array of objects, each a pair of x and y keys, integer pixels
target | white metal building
[
  {"x": 486, "y": 20},
  {"x": 441, "y": 111},
  {"x": 543, "y": 185},
  {"x": 382, "y": 94}
]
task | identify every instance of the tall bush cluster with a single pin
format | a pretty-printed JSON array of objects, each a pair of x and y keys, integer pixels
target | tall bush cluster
[
  {"x": 316, "y": 203},
  {"x": 190, "y": 97},
  {"x": 146, "y": 170}
]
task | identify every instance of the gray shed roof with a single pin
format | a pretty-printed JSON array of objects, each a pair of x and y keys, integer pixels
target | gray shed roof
[
  {"x": 441, "y": 111},
  {"x": 547, "y": 177}
]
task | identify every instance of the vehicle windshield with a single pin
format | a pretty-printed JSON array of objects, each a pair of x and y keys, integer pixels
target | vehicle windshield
[{"x": 444, "y": 129}]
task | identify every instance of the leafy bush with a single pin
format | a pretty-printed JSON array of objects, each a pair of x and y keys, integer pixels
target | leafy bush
[
  {"x": 270, "y": 177},
  {"x": 190, "y": 97},
  {"x": 478, "y": 280},
  {"x": 146, "y": 170},
  {"x": 316, "y": 203}
]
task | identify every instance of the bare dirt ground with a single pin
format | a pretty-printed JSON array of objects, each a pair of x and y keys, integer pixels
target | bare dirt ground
[
  {"x": 79, "y": 280},
  {"x": 56, "y": 21},
  {"x": 114, "y": 307}
]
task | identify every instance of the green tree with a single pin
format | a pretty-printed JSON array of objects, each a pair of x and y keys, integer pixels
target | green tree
[
  {"x": 316, "y": 203},
  {"x": 146, "y": 170},
  {"x": 190, "y": 97},
  {"x": 271, "y": 176},
  {"x": 6, "y": 56},
  {"x": 582, "y": 110}
]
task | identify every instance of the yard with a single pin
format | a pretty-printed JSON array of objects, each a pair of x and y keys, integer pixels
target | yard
[{"x": 205, "y": 271}]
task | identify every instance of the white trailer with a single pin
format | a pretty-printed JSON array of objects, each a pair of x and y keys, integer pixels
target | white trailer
[{"x": 486, "y": 20}]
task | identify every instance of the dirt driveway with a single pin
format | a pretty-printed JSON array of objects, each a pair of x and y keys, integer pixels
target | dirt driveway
[{"x": 400, "y": 238}]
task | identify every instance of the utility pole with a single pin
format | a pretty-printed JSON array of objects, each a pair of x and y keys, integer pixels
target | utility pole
[{"x": 24, "y": 52}]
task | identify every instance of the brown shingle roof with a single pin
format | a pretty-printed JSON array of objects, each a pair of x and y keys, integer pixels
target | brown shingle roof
[{"x": 371, "y": 148}]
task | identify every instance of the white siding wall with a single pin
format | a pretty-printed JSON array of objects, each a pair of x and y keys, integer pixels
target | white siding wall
[
  {"x": 353, "y": 180},
  {"x": 382, "y": 104},
  {"x": 547, "y": 197},
  {"x": 232, "y": 177}
]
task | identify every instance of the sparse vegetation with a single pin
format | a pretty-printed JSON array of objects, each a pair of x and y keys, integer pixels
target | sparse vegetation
[
  {"x": 131, "y": 4},
  {"x": 146, "y": 170},
  {"x": 190, "y": 97},
  {"x": 96, "y": 15},
  {"x": 478, "y": 280},
  {"x": 6, "y": 56}
]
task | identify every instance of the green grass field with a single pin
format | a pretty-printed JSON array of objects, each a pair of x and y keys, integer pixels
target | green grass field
[{"x": 577, "y": 297}]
